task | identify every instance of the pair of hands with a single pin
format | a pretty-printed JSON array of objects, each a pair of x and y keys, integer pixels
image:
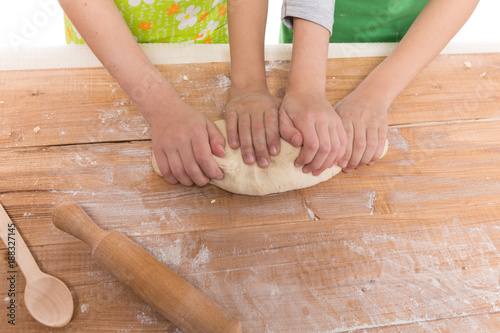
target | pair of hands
[{"x": 351, "y": 134}]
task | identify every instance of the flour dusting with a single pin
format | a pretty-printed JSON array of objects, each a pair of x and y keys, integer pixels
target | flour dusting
[
  {"x": 397, "y": 141},
  {"x": 203, "y": 256},
  {"x": 84, "y": 308},
  {"x": 146, "y": 320},
  {"x": 372, "y": 198}
]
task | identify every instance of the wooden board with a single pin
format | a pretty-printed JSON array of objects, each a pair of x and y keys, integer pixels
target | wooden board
[{"x": 410, "y": 244}]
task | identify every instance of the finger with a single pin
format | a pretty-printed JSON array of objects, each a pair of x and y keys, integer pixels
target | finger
[
  {"x": 216, "y": 139},
  {"x": 259, "y": 141},
  {"x": 349, "y": 131},
  {"x": 382, "y": 137},
  {"x": 324, "y": 148},
  {"x": 177, "y": 168},
  {"x": 358, "y": 149},
  {"x": 245, "y": 134},
  {"x": 310, "y": 146},
  {"x": 205, "y": 161},
  {"x": 162, "y": 162},
  {"x": 272, "y": 132},
  {"x": 288, "y": 131},
  {"x": 232, "y": 129},
  {"x": 371, "y": 147},
  {"x": 330, "y": 160},
  {"x": 192, "y": 169},
  {"x": 340, "y": 143}
]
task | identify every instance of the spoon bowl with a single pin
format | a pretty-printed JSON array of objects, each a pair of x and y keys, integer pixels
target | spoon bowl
[{"x": 49, "y": 301}]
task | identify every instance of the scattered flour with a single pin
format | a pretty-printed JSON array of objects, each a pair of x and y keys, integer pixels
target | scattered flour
[
  {"x": 203, "y": 257},
  {"x": 397, "y": 141},
  {"x": 146, "y": 320},
  {"x": 84, "y": 308},
  {"x": 372, "y": 197}
]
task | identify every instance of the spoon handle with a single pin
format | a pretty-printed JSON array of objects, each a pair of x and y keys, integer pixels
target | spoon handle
[{"x": 17, "y": 248}]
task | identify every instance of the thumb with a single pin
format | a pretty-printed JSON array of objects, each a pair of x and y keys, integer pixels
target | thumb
[
  {"x": 216, "y": 139},
  {"x": 288, "y": 131}
]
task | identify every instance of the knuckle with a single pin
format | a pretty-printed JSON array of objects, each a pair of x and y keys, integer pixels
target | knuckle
[
  {"x": 325, "y": 148},
  {"x": 359, "y": 144},
  {"x": 204, "y": 159},
  {"x": 372, "y": 144},
  {"x": 336, "y": 146},
  {"x": 312, "y": 145},
  {"x": 192, "y": 169},
  {"x": 258, "y": 127}
]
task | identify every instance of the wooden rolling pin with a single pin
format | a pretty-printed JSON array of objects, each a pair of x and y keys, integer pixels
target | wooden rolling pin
[{"x": 181, "y": 303}]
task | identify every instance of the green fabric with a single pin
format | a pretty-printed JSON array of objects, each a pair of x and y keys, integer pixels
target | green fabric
[
  {"x": 369, "y": 21},
  {"x": 160, "y": 21}
]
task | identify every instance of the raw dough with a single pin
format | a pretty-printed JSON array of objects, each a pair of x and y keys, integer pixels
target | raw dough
[{"x": 280, "y": 176}]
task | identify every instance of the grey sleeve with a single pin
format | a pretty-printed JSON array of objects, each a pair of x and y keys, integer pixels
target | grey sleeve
[{"x": 317, "y": 11}]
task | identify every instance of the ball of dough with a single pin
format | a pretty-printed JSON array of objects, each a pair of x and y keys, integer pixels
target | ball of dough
[{"x": 280, "y": 176}]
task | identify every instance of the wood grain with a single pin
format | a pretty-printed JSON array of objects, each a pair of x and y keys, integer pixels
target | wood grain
[
  {"x": 59, "y": 101},
  {"x": 409, "y": 244}
]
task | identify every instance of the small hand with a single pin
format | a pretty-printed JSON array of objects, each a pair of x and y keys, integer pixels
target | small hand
[
  {"x": 310, "y": 121},
  {"x": 183, "y": 142},
  {"x": 252, "y": 124},
  {"x": 366, "y": 125}
]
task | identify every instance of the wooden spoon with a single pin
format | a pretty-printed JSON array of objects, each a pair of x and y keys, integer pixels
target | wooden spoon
[{"x": 47, "y": 298}]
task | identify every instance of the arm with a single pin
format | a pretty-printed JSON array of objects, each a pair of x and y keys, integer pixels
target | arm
[
  {"x": 182, "y": 137},
  {"x": 252, "y": 112},
  {"x": 306, "y": 116},
  {"x": 364, "y": 111}
]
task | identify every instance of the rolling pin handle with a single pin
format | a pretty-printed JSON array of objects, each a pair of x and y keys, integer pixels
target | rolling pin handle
[{"x": 70, "y": 218}]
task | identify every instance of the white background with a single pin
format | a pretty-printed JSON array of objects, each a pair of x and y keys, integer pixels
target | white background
[{"x": 483, "y": 26}]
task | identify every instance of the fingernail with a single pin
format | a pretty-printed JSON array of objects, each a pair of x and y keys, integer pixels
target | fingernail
[
  {"x": 296, "y": 140},
  {"x": 306, "y": 170},
  {"x": 234, "y": 143},
  {"x": 249, "y": 158},
  {"x": 371, "y": 163},
  {"x": 347, "y": 170},
  {"x": 263, "y": 162},
  {"x": 343, "y": 164},
  {"x": 273, "y": 150},
  {"x": 316, "y": 173},
  {"x": 220, "y": 176}
]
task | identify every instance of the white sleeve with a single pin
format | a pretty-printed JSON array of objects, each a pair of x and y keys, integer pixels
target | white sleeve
[{"x": 317, "y": 11}]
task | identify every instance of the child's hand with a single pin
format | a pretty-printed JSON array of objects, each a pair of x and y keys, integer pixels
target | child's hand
[
  {"x": 252, "y": 123},
  {"x": 365, "y": 122},
  {"x": 183, "y": 142},
  {"x": 310, "y": 121}
]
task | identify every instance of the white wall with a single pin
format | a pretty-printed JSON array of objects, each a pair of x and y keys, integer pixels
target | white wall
[{"x": 39, "y": 23}]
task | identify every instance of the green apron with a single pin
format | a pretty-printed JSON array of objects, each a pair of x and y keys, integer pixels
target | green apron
[
  {"x": 369, "y": 21},
  {"x": 162, "y": 21}
]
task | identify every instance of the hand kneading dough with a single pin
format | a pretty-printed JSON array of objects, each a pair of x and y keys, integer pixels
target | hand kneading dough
[{"x": 280, "y": 176}]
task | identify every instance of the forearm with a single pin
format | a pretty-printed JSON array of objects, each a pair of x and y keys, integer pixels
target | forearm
[
  {"x": 309, "y": 57},
  {"x": 432, "y": 30},
  {"x": 113, "y": 44},
  {"x": 247, "y": 25}
]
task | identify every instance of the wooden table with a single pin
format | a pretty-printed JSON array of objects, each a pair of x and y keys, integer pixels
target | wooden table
[{"x": 411, "y": 244}]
